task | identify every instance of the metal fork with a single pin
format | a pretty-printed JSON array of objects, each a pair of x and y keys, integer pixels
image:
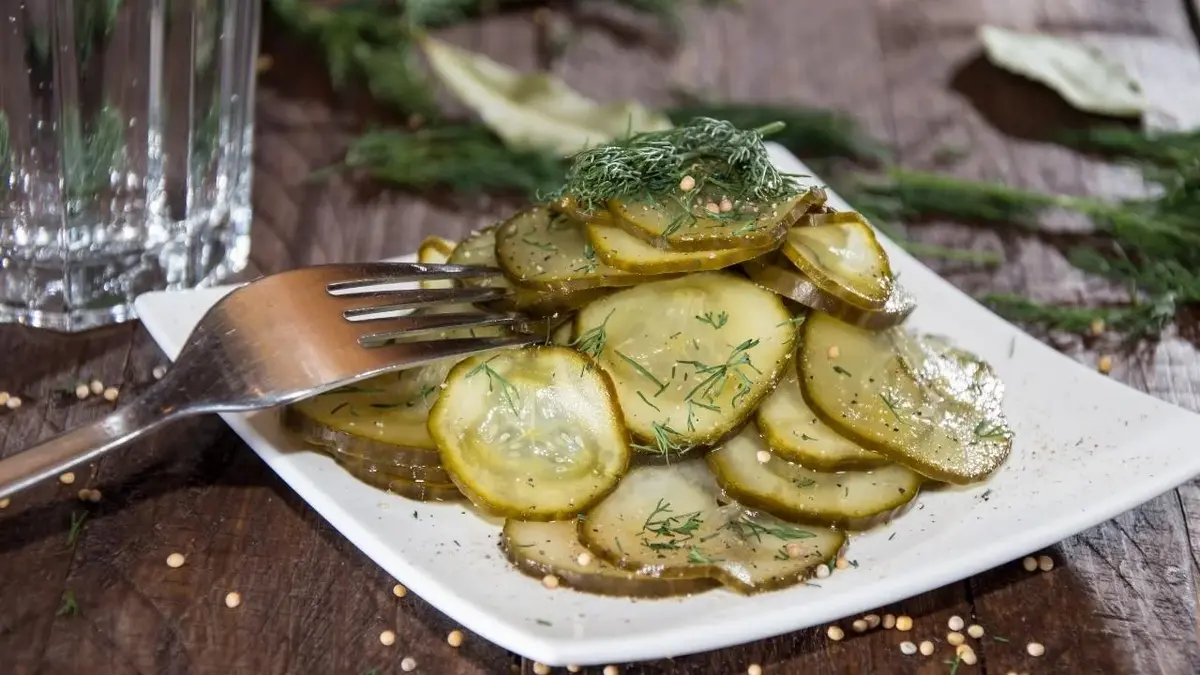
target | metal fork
[{"x": 283, "y": 338}]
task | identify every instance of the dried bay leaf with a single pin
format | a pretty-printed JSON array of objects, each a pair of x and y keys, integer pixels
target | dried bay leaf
[
  {"x": 1084, "y": 77},
  {"x": 534, "y": 111}
]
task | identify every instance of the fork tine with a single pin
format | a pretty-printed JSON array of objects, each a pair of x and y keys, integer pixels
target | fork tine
[
  {"x": 403, "y": 326},
  {"x": 380, "y": 274},
  {"x": 419, "y": 297},
  {"x": 428, "y": 351}
]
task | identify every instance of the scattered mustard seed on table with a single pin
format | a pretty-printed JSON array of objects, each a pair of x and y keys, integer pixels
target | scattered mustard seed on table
[
  {"x": 889, "y": 621},
  {"x": 399, "y": 590},
  {"x": 1045, "y": 563},
  {"x": 233, "y": 599},
  {"x": 904, "y": 623},
  {"x": 408, "y": 664},
  {"x": 975, "y": 631},
  {"x": 111, "y": 394},
  {"x": 1030, "y": 564},
  {"x": 387, "y": 638},
  {"x": 96, "y": 387},
  {"x": 907, "y": 648},
  {"x": 550, "y": 581},
  {"x": 176, "y": 560},
  {"x": 540, "y": 669},
  {"x": 13, "y": 402},
  {"x": 955, "y": 623},
  {"x": 455, "y": 638},
  {"x": 835, "y": 633},
  {"x": 5, "y": 502},
  {"x": 612, "y": 670},
  {"x": 926, "y": 648},
  {"x": 67, "y": 478},
  {"x": 1035, "y": 648},
  {"x": 754, "y": 669},
  {"x": 955, "y": 638}
]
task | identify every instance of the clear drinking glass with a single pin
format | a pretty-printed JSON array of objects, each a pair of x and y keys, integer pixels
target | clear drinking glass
[{"x": 126, "y": 131}]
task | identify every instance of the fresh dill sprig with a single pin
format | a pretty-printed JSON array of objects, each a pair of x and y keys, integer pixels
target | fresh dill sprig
[
  {"x": 807, "y": 132},
  {"x": 653, "y": 163},
  {"x": 669, "y": 531},
  {"x": 643, "y": 371},
  {"x": 746, "y": 527},
  {"x": 77, "y": 520},
  {"x": 466, "y": 158}
]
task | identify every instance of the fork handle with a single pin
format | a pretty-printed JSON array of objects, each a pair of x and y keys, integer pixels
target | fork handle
[{"x": 58, "y": 454}]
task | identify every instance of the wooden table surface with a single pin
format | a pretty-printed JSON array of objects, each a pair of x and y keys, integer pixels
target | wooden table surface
[{"x": 1120, "y": 599}]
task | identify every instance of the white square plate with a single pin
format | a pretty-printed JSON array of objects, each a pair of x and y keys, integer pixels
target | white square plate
[{"x": 1086, "y": 449}]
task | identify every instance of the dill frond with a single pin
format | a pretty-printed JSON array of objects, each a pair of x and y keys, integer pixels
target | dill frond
[
  {"x": 807, "y": 132},
  {"x": 654, "y": 162},
  {"x": 466, "y": 158}
]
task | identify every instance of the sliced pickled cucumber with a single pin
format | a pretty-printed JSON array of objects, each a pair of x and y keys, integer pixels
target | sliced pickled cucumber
[
  {"x": 418, "y": 490},
  {"x": 950, "y": 429},
  {"x": 435, "y": 250},
  {"x": 854, "y": 500},
  {"x": 548, "y": 251},
  {"x": 795, "y": 433},
  {"x": 569, "y": 207},
  {"x": 389, "y": 409},
  {"x": 670, "y": 522},
  {"x": 479, "y": 248},
  {"x": 532, "y": 434},
  {"x": 682, "y": 222},
  {"x": 538, "y": 549},
  {"x": 622, "y": 250},
  {"x": 338, "y": 443},
  {"x": 365, "y": 466},
  {"x": 691, "y": 357},
  {"x": 774, "y": 272},
  {"x": 840, "y": 255}
]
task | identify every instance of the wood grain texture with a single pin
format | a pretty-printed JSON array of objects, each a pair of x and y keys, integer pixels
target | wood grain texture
[{"x": 1122, "y": 598}]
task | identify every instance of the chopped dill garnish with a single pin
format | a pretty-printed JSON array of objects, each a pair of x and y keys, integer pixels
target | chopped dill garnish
[
  {"x": 746, "y": 527},
  {"x": 670, "y": 531},
  {"x": 508, "y": 392},
  {"x": 589, "y": 260},
  {"x": 990, "y": 430},
  {"x": 803, "y": 482},
  {"x": 591, "y": 342},
  {"x": 698, "y": 557},
  {"x": 652, "y": 163},
  {"x": 550, "y": 248},
  {"x": 841, "y": 371},
  {"x": 891, "y": 406},
  {"x": 806, "y": 437},
  {"x": 663, "y": 443},
  {"x": 716, "y": 321},
  {"x": 422, "y": 396},
  {"x": 717, "y": 376},
  {"x": 642, "y": 370},
  {"x": 647, "y": 402}
]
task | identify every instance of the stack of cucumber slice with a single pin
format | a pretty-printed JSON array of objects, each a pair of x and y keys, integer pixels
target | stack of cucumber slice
[{"x": 729, "y": 393}]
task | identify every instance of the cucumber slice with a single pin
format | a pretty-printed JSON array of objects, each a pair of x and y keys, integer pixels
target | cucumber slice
[
  {"x": 853, "y": 500},
  {"x": 681, "y": 223},
  {"x": 417, "y": 490},
  {"x": 330, "y": 437},
  {"x": 774, "y": 272},
  {"x": 435, "y": 250},
  {"x": 951, "y": 428},
  {"x": 839, "y": 253},
  {"x": 691, "y": 358},
  {"x": 365, "y": 466},
  {"x": 390, "y": 409},
  {"x": 538, "y": 549},
  {"x": 669, "y": 522},
  {"x": 479, "y": 248},
  {"x": 795, "y": 433},
  {"x": 548, "y": 251},
  {"x": 569, "y": 207},
  {"x": 532, "y": 434},
  {"x": 622, "y": 250}
]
